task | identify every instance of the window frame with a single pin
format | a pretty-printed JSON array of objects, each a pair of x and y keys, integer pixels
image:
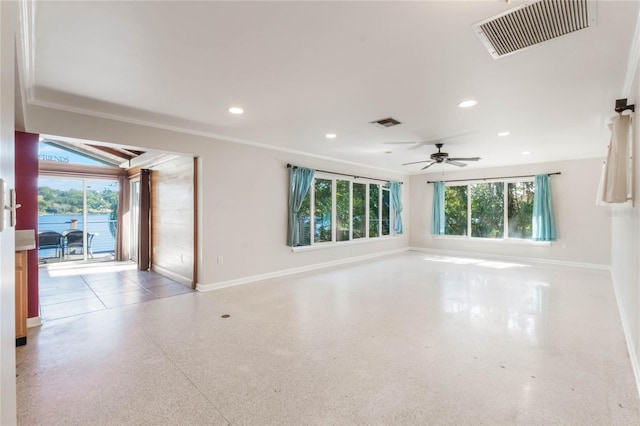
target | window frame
[
  {"x": 505, "y": 220},
  {"x": 313, "y": 245}
]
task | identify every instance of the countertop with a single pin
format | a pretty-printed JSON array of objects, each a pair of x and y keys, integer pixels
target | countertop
[{"x": 25, "y": 239}]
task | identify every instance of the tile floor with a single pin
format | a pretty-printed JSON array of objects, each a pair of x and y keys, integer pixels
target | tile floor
[
  {"x": 68, "y": 289},
  {"x": 411, "y": 339}
]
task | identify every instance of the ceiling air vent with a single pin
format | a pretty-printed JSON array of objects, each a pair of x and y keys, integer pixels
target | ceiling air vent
[
  {"x": 386, "y": 122},
  {"x": 534, "y": 23}
]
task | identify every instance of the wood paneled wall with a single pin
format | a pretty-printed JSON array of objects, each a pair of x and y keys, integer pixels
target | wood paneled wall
[{"x": 173, "y": 225}]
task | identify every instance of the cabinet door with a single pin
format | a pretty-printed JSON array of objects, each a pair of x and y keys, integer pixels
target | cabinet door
[{"x": 21, "y": 297}]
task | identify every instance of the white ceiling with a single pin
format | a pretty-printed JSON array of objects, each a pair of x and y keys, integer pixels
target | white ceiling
[{"x": 304, "y": 69}]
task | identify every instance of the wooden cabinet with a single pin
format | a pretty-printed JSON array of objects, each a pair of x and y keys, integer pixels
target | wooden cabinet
[{"x": 21, "y": 298}]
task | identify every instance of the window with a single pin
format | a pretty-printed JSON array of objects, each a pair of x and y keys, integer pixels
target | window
[
  {"x": 322, "y": 212},
  {"x": 487, "y": 210},
  {"x": 520, "y": 206},
  {"x": 386, "y": 212},
  {"x": 343, "y": 230},
  {"x": 343, "y": 210},
  {"x": 374, "y": 210},
  {"x": 455, "y": 210},
  {"x": 495, "y": 210},
  {"x": 359, "y": 210}
]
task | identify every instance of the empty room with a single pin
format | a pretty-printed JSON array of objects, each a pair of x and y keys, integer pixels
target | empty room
[{"x": 394, "y": 213}]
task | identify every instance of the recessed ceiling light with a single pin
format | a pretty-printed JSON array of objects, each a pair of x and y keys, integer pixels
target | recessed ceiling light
[
  {"x": 330, "y": 136},
  {"x": 525, "y": 153},
  {"x": 236, "y": 110},
  {"x": 504, "y": 133},
  {"x": 468, "y": 103}
]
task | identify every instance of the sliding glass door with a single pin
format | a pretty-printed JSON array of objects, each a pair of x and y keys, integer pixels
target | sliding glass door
[{"x": 81, "y": 214}]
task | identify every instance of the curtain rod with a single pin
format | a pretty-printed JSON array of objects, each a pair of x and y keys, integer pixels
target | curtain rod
[
  {"x": 492, "y": 178},
  {"x": 343, "y": 174}
]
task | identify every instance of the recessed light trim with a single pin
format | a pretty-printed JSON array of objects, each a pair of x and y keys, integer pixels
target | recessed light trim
[
  {"x": 330, "y": 136},
  {"x": 236, "y": 110},
  {"x": 505, "y": 133},
  {"x": 525, "y": 153},
  {"x": 468, "y": 103}
]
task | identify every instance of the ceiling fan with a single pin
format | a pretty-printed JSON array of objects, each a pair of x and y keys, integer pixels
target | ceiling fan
[
  {"x": 443, "y": 157},
  {"x": 418, "y": 144}
]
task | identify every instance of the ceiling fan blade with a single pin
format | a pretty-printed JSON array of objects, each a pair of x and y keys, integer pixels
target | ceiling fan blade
[
  {"x": 418, "y": 144},
  {"x": 428, "y": 165},
  {"x": 465, "y": 159},
  {"x": 400, "y": 143},
  {"x": 456, "y": 163},
  {"x": 416, "y": 162},
  {"x": 441, "y": 140}
]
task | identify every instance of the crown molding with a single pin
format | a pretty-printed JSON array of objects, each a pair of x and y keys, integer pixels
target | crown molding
[{"x": 186, "y": 130}]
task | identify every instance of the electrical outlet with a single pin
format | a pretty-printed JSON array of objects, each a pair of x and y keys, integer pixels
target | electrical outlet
[{"x": 220, "y": 260}]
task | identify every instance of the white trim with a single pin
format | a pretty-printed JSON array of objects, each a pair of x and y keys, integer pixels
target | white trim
[
  {"x": 202, "y": 133},
  {"x": 632, "y": 63},
  {"x": 34, "y": 322},
  {"x": 176, "y": 277},
  {"x": 333, "y": 244},
  {"x": 513, "y": 258},
  {"x": 627, "y": 337},
  {"x": 515, "y": 241},
  {"x": 27, "y": 49},
  {"x": 285, "y": 272}
]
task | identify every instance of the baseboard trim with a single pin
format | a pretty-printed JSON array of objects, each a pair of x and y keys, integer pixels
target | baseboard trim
[
  {"x": 292, "y": 271},
  {"x": 513, "y": 258},
  {"x": 34, "y": 322},
  {"x": 176, "y": 277},
  {"x": 627, "y": 337}
]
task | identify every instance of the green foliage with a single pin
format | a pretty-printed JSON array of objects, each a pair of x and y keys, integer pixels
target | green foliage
[
  {"x": 487, "y": 210},
  {"x": 455, "y": 210},
  {"x": 342, "y": 210},
  {"x": 322, "y": 213},
  {"x": 374, "y": 210},
  {"x": 520, "y": 210},
  {"x": 359, "y": 210},
  {"x": 386, "y": 203},
  {"x": 57, "y": 201}
]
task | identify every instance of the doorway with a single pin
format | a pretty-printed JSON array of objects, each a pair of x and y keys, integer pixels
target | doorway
[{"x": 77, "y": 219}]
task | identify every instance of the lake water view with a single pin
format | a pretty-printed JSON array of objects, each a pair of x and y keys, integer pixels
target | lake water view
[{"x": 98, "y": 224}]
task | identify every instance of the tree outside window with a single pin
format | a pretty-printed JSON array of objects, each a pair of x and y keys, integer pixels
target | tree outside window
[{"x": 481, "y": 210}]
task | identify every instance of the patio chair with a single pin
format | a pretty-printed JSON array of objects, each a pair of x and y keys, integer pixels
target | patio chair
[
  {"x": 73, "y": 239},
  {"x": 51, "y": 240}
]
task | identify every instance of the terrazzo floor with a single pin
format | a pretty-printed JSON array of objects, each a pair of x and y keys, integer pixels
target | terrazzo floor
[{"x": 411, "y": 339}]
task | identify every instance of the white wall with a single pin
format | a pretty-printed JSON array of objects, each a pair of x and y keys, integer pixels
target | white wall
[
  {"x": 582, "y": 227},
  {"x": 242, "y": 197},
  {"x": 625, "y": 251},
  {"x": 8, "y": 17}
]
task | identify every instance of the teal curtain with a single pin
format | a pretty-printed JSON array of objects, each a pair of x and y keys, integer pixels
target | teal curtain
[
  {"x": 299, "y": 183},
  {"x": 544, "y": 227},
  {"x": 396, "y": 201},
  {"x": 437, "y": 216}
]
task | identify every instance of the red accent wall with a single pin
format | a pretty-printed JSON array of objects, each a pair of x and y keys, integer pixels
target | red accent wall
[{"x": 26, "y": 145}]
